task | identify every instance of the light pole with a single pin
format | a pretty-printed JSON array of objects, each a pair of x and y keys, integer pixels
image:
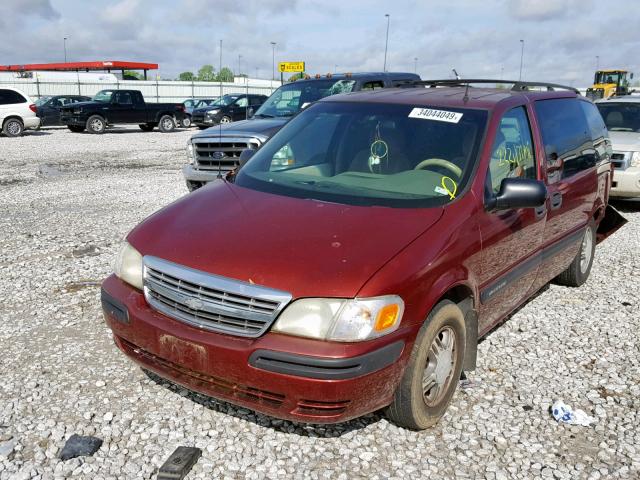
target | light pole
[
  {"x": 502, "y": 72},
  {"x": 220, "y": 68},
  {"x": 239, "y": 58},
  {"x": 386, "y": 43},
  {"x": 597, "y": 62},
  {"x": 273, "y": 61},
  {"x": 335, "y": 68},
  {"x": 521, "y": 58},
  {"x": 415, "y": 64},
  {"x": 65, "y": 49}
]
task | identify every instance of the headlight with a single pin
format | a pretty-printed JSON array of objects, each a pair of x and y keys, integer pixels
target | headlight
[
  {"x": 212, "y": 113},
  {"x": 128, "y": 266},
  {"x": 635, "y": 159},
  {"x": 190, "y": 151},
  {"x": 341, "y": 320}
]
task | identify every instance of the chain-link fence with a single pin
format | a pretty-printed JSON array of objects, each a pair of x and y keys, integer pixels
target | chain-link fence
[{"x": 153, "y": 91}]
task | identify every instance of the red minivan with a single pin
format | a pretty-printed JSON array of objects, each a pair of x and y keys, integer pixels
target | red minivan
[{"x": 355, "y": 259}]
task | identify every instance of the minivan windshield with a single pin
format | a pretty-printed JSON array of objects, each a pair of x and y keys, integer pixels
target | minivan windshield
[
  {"x": 370, "y": 154},
  {"x": 103, "y": 96},
  {"x": 289, "y": 99},
  {"x": 621, "y": 116}
]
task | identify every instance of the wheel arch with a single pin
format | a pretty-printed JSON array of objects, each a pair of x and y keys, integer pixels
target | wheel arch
[{"x": 12, "y": 116}]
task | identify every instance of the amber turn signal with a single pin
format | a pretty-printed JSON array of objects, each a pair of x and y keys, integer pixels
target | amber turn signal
[{"x": 387, "y": 317}]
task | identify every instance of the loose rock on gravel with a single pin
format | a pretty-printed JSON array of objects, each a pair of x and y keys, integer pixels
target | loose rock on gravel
[{"x": 68, "y": 199}]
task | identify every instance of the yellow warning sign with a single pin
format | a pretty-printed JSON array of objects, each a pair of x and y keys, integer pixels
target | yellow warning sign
[{"x": 291, "y": 67}]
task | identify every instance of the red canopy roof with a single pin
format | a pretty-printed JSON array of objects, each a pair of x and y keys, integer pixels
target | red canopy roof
[{"x": 73, "y": 66}]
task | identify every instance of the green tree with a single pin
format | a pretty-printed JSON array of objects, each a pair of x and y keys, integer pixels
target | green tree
[
  {"x": 296, "y": 76},
  {"x": 225, "y": 75},
  {"x": 206, "y": 73},
  {"x": 187, "y": 76},
  {"x": 131, "y": 75}
]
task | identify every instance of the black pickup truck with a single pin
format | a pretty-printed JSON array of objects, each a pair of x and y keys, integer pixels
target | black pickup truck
[{"x": 109, "y": 107}]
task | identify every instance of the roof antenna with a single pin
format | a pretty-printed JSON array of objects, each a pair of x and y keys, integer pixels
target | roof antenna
[
  {"x": 465, "y": 99},
  {"x": 456, "y": 74},
  {"x": 220, "y": 159}
]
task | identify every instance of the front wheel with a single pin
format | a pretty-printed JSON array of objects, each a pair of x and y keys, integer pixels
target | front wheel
[
  {"x": 225, "y": 119},
  {"x": 186, "y": 121},
  {"x": 13, "y": 127},
  {"x": 166, "y": 124},
  {"x": 434, "y": 367},
  {"x": 96, "y": 124},
  {"x": 578, "y": 272}
]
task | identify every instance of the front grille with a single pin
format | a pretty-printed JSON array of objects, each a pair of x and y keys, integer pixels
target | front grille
[
  {"x": 209, "y": 301},
  {"x": 620, "y": 160},
  {"x": 221, "y": 155}
]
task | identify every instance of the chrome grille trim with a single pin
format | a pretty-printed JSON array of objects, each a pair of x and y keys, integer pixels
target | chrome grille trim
[
  {"x": 221, "y": 153},
  {"x": 209, "y": 301}
]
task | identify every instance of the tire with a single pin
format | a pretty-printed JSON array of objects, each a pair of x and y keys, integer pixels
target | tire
[
  {"x": 96, "y": 124},
  {"x": 578, "y": 272},
  {"x": 13, "y": 127},
  {"x": 413, "y": 407},
  {"x": 166, "y": 124},
  {"x": 146, "y": 127},
  {"x": 186, "y": 122},
  {"x": 75, "y": 128},
  {"x": 226, "y": 119}
]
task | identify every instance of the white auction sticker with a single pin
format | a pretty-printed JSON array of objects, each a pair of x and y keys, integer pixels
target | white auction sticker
[{"x": 439, "y": 115}]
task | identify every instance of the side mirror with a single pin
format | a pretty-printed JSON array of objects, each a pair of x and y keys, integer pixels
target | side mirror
[
  {"x": 245, "y": 155},
  {"x": 518, "y": 193},
  {"x": 631, "y": 76},
  {"x": 250, "y": 112}
]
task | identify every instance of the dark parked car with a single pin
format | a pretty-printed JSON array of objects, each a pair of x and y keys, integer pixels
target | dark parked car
[
  {"x": 227, "y": 109},
  {"x": 48, "y": 108},
  {"x": 355, "y": 260},
  {"x": 110, "y": 107},
  {"x": 218, "y": 150},
  {"x": 191, "y": 104}
]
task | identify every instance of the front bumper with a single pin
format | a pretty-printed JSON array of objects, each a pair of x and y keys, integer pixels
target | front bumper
[
  {"x": 283, "y": 376},
  {"x": 194, "y": 175},
  {"x": 626, "y": 183},
  {"x": 205, "y": 120}
]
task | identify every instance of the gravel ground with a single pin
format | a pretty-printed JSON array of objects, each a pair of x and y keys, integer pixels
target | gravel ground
[{"x": 68, "y": 199}]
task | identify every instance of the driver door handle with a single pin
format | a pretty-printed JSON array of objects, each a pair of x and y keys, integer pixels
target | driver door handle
[{"x": 556, "y": 200}]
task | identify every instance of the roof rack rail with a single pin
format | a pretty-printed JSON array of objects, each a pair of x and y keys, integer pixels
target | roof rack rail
[{"x": 518, "y": 85}]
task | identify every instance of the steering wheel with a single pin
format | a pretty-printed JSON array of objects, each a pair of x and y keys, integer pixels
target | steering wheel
[{"x": 440, "y": 162}]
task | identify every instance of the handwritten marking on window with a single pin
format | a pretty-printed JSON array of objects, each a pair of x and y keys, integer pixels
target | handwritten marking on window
[{"x": 518, "y": 155}]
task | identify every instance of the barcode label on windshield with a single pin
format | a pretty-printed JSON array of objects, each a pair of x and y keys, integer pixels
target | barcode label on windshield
[{"x": 439, "y": 115}]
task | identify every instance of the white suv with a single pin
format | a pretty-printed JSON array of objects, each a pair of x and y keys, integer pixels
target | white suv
[{"x": 17, "y": 112}]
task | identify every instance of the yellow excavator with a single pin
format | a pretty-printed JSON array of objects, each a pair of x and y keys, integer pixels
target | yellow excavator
[{"x": 608, "y": 83}]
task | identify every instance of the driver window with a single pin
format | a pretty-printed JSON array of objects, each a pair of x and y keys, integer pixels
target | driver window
[
  {"x": 242, "y": 102},
  {"x": 512, "y": 154}
]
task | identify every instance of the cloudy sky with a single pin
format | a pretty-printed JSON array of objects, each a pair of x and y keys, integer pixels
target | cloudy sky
[{"x": 479, "y": 38}]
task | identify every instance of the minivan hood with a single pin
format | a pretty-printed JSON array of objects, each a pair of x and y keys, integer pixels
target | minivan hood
[
  {"x": 625, "y": 141},
  {"x": 306, "y": 247},
  {"x": 257, "y": 126}
]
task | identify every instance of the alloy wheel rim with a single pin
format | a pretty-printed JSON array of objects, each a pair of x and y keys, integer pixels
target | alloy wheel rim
[
  {"x": 225, "y": 120},
  {"x": 439, "y": 369},
  {"x": 167, "y": 124},
  {"x": 586, "y": 250},
  {"x": 96, "y": 124},
  {"x": 13, "y": 128}
]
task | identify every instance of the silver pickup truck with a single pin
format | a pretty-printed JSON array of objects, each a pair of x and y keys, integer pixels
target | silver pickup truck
[{"x": 214, "y": 152}]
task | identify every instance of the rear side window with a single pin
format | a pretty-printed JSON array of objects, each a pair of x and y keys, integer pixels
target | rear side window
[
  {"x": 9, "y": 97},
  {"x": 566, "y": 135},
  {"x": 595, "y": 122},
  {"x": 373, "y": 85},
  {"x": 512, "y": 154},
  {"x": 256, "y": 101}
]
